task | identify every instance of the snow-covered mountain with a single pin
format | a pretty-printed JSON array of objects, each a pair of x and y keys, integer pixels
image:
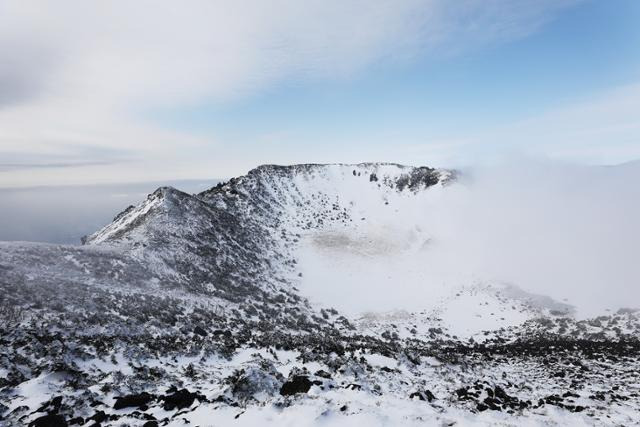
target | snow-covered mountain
[{"x": 281, "y": 297}]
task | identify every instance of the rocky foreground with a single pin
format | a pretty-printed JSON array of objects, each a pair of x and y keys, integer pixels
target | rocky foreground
[{"x": 187, "y": 310}]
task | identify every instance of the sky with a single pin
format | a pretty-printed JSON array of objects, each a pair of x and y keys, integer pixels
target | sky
[{"x": 119, "y": 91}]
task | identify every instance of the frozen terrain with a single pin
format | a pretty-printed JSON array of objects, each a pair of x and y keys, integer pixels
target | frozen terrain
[{"x": 299, "y": 295}]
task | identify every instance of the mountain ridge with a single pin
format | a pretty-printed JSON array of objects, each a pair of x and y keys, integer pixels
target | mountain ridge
[{"x": 205, "y": 298}]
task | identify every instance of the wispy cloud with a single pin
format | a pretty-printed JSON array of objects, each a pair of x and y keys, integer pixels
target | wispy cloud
[
  {"x": 62, "y": 156},
  {"x": 120, "y": 52},
  {"x": 82, "y": 71},
  {"x": 54, "y": 165}
]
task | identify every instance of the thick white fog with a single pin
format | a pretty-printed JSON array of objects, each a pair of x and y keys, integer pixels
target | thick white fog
[
  {"x": 565, "y": 231},
  {"x": 569, "y": 232},
  {"x": 65, "y": 214}
]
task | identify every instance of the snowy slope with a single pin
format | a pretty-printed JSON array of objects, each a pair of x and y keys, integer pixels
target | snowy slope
[{"x": 305, "y": 294}]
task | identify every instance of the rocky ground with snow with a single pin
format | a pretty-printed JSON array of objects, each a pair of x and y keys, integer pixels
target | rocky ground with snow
[{"x": 209, "y": 309}]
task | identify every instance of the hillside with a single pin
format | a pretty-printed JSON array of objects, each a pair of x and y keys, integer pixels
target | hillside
[{"x": 295, "y": 294}]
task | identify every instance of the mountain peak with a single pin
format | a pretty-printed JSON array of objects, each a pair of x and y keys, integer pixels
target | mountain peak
[{"x": 162, "y": 201}]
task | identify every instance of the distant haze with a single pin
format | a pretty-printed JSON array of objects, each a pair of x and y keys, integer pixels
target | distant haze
[{"x": 64, "y": 214}]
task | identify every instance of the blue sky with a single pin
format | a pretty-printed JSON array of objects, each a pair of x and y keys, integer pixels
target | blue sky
[
  {"x": 585, "y": 50},
  {"x": 431, "y": 84}
]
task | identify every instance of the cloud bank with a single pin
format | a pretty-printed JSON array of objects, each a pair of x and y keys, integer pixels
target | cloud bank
[
  {"x": 566, "y": 231},
  {"x": 558, "y": 229}
]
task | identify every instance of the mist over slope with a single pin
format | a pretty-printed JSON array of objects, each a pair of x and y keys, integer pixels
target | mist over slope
[
  {"x": 569, "y": 232},
  {"x": 566, "y": 231},
  {"x": 375, "y": 293}
]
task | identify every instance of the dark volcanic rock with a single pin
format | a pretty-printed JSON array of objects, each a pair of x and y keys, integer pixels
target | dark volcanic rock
[
  {"x": 52, "y": 406},
  {"x": 99, "y": 417},
  {"x": 133, "y": 401},
  {"x": 180, "y": 399},
  {"x": 51, "y": 420},
  {"x": 200, "y": 331},
  {"x": 323, "y": 374},
  {"x": 296, "y": 384},
  {"x": 423, "y": 395}
]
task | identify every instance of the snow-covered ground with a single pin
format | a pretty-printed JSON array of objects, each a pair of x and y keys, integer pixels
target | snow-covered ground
[{"x": 302, "y": 295}]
